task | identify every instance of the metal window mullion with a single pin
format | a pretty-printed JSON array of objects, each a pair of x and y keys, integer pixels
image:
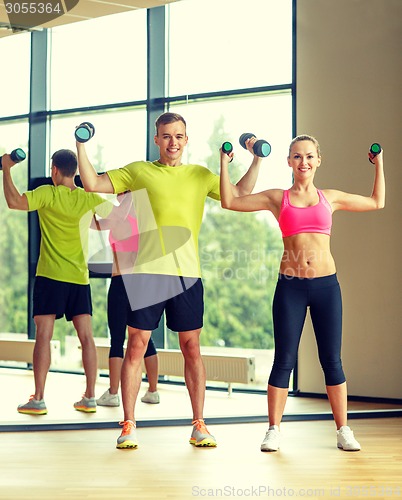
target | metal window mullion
[
  {"x": 156, "y": 66},
  {"x": 37, "y": 158},
  {"x": 156, "y": 71}
]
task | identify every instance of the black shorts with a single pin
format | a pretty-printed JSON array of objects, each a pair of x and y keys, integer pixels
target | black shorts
[
  {"x": 182, "y": 300},
  {"x": 118, "y": 311},
  {"x": 60, "y": 298}
]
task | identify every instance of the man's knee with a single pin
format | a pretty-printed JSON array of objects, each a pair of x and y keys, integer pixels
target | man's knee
[
  {"x": 190, "y": 344},
  {"x": 137, "y": 343}
]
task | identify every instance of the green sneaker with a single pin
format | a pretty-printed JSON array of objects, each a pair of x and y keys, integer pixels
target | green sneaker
[
  {"x": 87, "y": 405},
  {"x": 33, "y": 407}
]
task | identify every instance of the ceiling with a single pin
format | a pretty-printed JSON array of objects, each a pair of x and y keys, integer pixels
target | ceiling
[{"x": 71, "y": 11}]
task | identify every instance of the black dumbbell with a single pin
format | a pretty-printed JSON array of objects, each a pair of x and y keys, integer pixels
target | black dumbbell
[
  {"x": 261, "y": 147},
  {"x": 84, "y": 132},
  {"x": 17, "y": 155},
  {"x": 375, "y": 149}
]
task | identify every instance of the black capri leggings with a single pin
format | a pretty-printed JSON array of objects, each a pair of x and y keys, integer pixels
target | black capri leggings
[
  {"x": 292, "y": 298},
  {"x": 118, "y": 308}
]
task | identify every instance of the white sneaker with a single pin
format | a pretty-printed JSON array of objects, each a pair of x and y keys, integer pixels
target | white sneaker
[
  {"x": 151, "y": 397},
  {"x": 272, "y": 439},
  {"x": 346, "y": 440},
  {"x": 108, "y": 399}
]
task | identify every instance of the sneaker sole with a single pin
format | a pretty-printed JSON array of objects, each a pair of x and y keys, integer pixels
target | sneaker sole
[
  {"x": 150, "y": 402},
  {"x": 127, "y": 445},
  {"x": 348, "y": 449},
  {"x": 32, "y": 412},
  {"x": 85, "y": 410},
  {"x": 114, "y": 405},
  {"x": 269, "y": 449},
  {"x": 205, "y": 443}
]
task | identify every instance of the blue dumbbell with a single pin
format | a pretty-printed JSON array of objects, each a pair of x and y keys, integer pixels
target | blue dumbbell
[
  {"x": 84, "y": 132},
  {"x": 261, "y": 147},
  {"x": 17, "y": 155}
]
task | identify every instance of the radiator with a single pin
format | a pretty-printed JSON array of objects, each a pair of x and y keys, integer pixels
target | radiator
[
  {"x": 21, "y": 350},
  {"x": 227, "y": 368},
  {"x": 17, "y": 350}
]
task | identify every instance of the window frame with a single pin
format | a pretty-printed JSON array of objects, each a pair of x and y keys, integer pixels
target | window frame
[{"x": 156, "y": 102}]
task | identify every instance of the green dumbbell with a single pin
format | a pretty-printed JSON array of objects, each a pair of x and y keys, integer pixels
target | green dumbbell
[
  {"x": 261, "y": 147},
  {"x": 375, "y": 149},
  {"x": 227, "y": 147}
]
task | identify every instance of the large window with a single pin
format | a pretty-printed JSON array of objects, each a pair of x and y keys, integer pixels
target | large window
[
  {"x": 13, "y": 240},
  {"x": 99, "y": 61},
  {"x": 227, "y": 69},
  {"x": 233, "y": 67},
  {"x": 119, "y": 135},
  {"x": 14, "y": 57},
  {"x": 14, "y": 101},
  {"x": 229, "y": 44}
]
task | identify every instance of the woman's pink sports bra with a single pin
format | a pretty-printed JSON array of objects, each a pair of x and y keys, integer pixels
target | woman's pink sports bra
[
  {"x": 314, "y": 219},
  {"x": 129, "y": 244}
]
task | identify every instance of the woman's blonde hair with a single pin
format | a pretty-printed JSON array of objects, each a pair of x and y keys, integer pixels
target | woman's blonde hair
[{"x": 305, "y": 137}]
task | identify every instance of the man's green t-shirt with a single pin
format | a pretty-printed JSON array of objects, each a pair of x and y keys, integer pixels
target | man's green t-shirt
[
  {"x": 64, "y": 219},
  {"x": 169, "y": 204}
]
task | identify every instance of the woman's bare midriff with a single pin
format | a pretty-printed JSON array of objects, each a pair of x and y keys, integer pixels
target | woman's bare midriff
[
  {"x": 307, "y": 255},
  {"x": 123, "y": 263}
]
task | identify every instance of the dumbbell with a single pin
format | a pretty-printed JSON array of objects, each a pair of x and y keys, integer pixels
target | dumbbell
[
  {"x": 84, "y": 132},
  {"x": 227, "y": 147},
  {"x": 17, "y": 155},
  {"x": 375, "y": 149},
  {"x": 261, "y": 147}
]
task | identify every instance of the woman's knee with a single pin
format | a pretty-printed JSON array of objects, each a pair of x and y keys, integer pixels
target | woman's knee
[
  {"x": 280, "y": 374},
  {"x": 116, "y": 351},
  {"x": 333, "y": 372}
]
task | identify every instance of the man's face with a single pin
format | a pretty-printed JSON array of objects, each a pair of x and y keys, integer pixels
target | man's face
[{"x": 171, "y": 140}]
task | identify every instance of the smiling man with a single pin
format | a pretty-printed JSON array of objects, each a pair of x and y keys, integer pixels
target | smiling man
[{"x": 169, "y": 199}]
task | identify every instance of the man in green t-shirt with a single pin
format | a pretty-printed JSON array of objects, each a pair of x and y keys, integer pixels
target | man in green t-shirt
[
  {"x": 62, "y": 278},
  {"x": 169, "y": 200}
]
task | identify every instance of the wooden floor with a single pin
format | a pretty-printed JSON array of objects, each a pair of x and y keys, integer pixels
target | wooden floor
[
  {"x": 37, "y": 462},
  {"x": 85, "y": 464}
]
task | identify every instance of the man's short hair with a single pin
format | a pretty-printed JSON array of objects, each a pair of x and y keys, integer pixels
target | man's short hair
[
  {"x": 166, "y": 118},
  {"x": 66, "y": 161}
]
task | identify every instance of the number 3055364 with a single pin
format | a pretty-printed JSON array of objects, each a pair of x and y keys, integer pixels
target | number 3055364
[{"x": 33, "y": 8}]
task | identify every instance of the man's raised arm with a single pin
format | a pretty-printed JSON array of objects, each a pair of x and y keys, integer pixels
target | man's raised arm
[
  {"x": 14, "y": 199},
  {"x": 90, "y": 179}
]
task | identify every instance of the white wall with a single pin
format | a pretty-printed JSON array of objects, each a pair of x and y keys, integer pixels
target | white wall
[{"x": 349, "y": 81}]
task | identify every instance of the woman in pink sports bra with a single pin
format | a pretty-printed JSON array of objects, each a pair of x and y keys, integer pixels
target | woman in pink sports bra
[
  {"x": 123, "y": 239},
  {"x": 307, "y": 276}
]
